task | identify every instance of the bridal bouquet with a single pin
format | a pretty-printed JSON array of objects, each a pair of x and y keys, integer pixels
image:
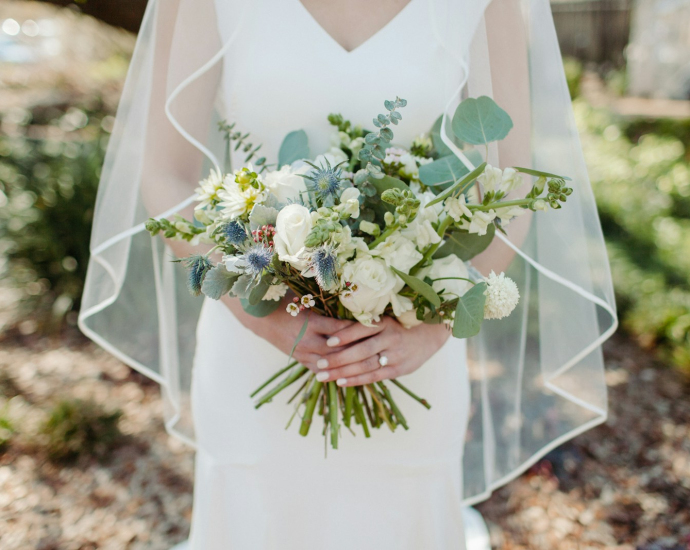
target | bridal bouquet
[{"x": 363, "y": 230}]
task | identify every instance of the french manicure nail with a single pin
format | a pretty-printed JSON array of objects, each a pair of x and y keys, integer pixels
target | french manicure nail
[
  {"x": 322, "y": 363},
  {"x": 321, "y": 376},
  {"x": 333, "y": 341},
  {"x": 340, "y": 381}
]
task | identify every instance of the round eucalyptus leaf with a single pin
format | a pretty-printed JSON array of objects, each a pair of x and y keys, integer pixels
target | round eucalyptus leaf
[{"x": 481, "y": 120}]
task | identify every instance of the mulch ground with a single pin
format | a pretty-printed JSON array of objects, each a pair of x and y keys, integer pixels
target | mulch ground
[{"x": 624, "y": 485}]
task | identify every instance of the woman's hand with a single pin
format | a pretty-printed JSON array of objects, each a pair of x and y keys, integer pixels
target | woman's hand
[
  {"x": 281, "y": 329},
  {"x": 357, "y": 361}
]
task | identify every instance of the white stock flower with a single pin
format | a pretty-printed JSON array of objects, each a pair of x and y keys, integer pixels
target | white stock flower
[
  {"x": 398, "y": 252},
  {"x": 510, "y": 180},
  {"x": 293, "y": 224},
  {"x": 373, "y": 284},
  {"x": 541, "y": 204},
  {"x": 507, "y": 213},
  {"x": 356, "y": 145},
  {"x": 420, "y": 230},
  {"x": 444, "y": 268},
  {"x": 480, "y": 221},
  {"x": 275, "y": 292},
  {"x": 491, "y": 178},
  {"x": 286, "y": 184},
  {"x": 349, "y": 202},
  {"x": 208, "y": 189},
  {"x": 502, "y": 296},
  {"x": 457, "y": 207}
]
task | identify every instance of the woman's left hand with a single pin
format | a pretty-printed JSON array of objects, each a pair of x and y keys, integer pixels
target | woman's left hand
[{"x": 359, "y": 363}]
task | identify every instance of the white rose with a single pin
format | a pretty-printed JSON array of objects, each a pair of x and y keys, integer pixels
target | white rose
[
  {"x": 398, "y": 252},
  {"x": 372, "y": 286},
  {"x": 286, "y": 184},
  {"x": 491, "y": 178},
  {"x": 292, "y": 227},
  {"x": 480, "y": 221},
  {"x": 450, "y": 266},
  {"x": 349, "y": 202},
  {"x": 409, "y": 319}
]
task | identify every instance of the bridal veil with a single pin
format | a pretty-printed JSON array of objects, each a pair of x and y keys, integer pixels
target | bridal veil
[{"x": 537, "y": 377}]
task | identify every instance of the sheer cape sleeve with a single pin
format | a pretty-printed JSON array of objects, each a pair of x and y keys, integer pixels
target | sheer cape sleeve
[{"x": 537, "y": 377}]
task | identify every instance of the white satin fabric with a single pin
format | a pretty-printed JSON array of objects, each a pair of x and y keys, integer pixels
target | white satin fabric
[{"x": 257, "y": 485}]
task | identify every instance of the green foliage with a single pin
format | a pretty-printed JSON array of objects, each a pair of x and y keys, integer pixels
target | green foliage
[
  {"x": 241, "y": 141},
  {"x": 295, "y": 146},
  {"x": 262, "y": 309},
  {"x": 573, "y": 74},
  {"x": 642, "y": 184},
  {"x": 466, "y": 245},
  {"x": 77, "y": 428},
  {"x": 420, "y": 287},
  {"x": 47, "y": 193},
  {"x": 218, "y": 282},
  {"x": 7, "y": 429},
  {"x": 480, "y": 121},
  {"x": 374, "y": 149}
]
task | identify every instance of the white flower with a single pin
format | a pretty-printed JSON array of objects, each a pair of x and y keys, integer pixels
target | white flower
[
  {"x": 510, "y": 180},
  {"x": 373, "y": 284},
  {"x": 307, "y": 300},
  {"x": 334, "y": 156},
  {"x": 409, "y": 319},
  {"x": 444, "y": 268},
  {"x": 349, "y": 203},
  {"x": 491, "y": 178},
  {"x": 507, "y": 213},
  {"x": 420, "y": 229},
  {"x": 292, "y": 309},
  {"x": 292, "y": 227},
  {"x": 286, "y": 184},
  {"x": 457, "y": 207},
  {"x": 275, "y": 292},
  {"x": 236, "y": 199},
  {"x": 502, "y": 296},
  {"x": 208, "y": 189},
  {"x": 356, "y": 145},
  {"x": 398, "y": 252},
  {"x": 480, "y": 221},
  {"x": 541, "y": 204}
]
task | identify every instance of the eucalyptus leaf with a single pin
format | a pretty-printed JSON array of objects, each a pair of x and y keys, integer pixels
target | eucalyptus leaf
[
  {"x": 388, "y": 182},
  {"x": 262, "y": 309},
  {"x": 539, "y": 173},
  {"x": 262, "y": 215},
  {"x": 419, "y": 287},
  {"x": 469, "y": 312},
  {"x": 442, "y": 172},
  {"x": 441, "y": 148},
  {"x": 459, "y": 186},
  {"x": 466, "y": 245},
  {"x": 295, "y": 146},
  {"x": 218, "y": 282},
  {"x": 480, "y": 120}
]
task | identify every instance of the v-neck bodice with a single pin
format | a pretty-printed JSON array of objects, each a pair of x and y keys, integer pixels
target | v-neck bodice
[{"x": 284, "y": 72}]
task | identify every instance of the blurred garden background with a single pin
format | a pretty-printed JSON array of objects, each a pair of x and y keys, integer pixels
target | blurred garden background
[{"x": 84, "y": 459}]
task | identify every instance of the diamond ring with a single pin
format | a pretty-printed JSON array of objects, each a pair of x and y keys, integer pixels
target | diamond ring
[{"x": 383, "y": 360}]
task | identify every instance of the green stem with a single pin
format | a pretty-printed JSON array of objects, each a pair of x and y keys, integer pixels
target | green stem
[
  {"x": 445, "y": 224},
  {"x": 309, "y": 410},
  {"x": 333, "y": 412},
  {"x": 423, "y": 402},
  {"x": 359, "y": 414},
  {"x": 383, "y": 236},
  {"x": 373, "y": 420},
  {"x": 307, "y": 381},
  {"x": 294, "y": 376},
  {"x": 294, "y": 413},
  {"x": 272, "y": 378},
  {"x": 349, "y": 401},
  {"x": 396, "y": 411},
  {"x": 376, "y": 398},
  {"x": 500, "y": 204}
]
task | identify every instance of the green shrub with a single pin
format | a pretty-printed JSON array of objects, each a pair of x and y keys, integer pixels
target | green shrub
[
  {"x": 573, "y": 74},
  {"x": 48, "y": 187},
  {"x": 77, "y": 428},
  {"x": 6, "y": 429}
]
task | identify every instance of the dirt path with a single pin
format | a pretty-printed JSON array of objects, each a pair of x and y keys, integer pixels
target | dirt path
[{"x": 624, "y": 485}]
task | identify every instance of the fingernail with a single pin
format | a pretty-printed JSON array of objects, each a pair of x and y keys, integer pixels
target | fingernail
[
  {"x": 322, "y": 376},
  {"x": 333, "y": 341},
  {"x": 322, "y": 363},
  {"x": 340, "y": 381}
]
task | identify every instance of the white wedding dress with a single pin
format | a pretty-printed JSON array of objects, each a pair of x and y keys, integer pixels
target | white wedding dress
[{"x": 257, "y": 485}]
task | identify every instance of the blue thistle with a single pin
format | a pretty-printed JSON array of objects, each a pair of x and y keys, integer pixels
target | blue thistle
[
  {"x": 197, "y": 267},
  {"x": 257, "y": 259},
  {"x": 324, "y": 182},
  {"x": 324, "y": 263},
  {"x": 235, "y": 233}
]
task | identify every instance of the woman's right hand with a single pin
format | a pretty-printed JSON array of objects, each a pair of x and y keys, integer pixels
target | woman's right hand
[{"x": 281, "y": 329}]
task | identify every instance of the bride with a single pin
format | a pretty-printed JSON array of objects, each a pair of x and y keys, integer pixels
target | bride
[{"x": 500, "y": 400}]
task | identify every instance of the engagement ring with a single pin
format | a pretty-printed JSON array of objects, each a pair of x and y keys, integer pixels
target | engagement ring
[{"x": 383, "y": 360}]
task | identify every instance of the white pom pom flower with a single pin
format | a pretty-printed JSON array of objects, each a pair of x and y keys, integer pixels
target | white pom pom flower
[{"x": 502, "y": 295}]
